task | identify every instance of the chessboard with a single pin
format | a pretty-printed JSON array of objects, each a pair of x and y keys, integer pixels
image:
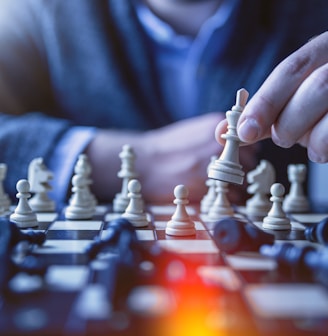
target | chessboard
[
  {"x": 102, "y": 277},
  {"x": 130, "y": 268}
]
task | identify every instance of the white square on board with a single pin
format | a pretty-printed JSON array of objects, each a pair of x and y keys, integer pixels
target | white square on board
[
  {"x": 76, "y": 225},
  {"x": 53, "y": 246},
  {"x": 287, "y": 301},
  {"x": 189, "y": 246},
  {"x": 67, "y": 277},
  {"x": 250, "y": 261}
]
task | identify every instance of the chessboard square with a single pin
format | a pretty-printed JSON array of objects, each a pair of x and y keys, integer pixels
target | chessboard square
[
  {"x": 161, "y": 225},
  {"x": 64, "y": 277},
  {"x": 47, "y": 217},
  {"x": 76, "y": 225},
  {"x": 62, "y": 246},
  {"x": 310, "y": 218},
  {"x": 168, "y": 210},
  {"x": 189, "y": 246},
  {"x": 23, "y": 282},
  {"x": 300, "y": 243},
  {"x": 220, "y": 275},
  {"x": 151, "y": 300},
  {"x": 145, "y": 235},
  {"x": 72, "y": 234},
  {"x": 295, "y": 225},
  {"x": 250, "y": 261},
  {"x": 287, "y": 301}
]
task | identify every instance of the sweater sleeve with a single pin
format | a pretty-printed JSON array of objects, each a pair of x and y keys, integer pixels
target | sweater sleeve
[{"x": 30, "y": 125}]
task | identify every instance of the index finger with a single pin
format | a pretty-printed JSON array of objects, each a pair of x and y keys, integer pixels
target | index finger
[{"x": 266, "y": 105}]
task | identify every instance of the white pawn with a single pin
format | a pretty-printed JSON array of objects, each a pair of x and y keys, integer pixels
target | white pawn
[
  {"x": 221, "y": 207},
  {"x": 23, "y": 215},
  {"x": 180, "y": 223},
  {"x": 126, "y": 173},
  {"x": 79, "y": 206},
  {"x": 135, "y": 209},
  {"x": 296, "y": 201},
  {"x": 276, "y": 218}
]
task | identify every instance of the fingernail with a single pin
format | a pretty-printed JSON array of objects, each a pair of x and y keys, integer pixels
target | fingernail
[
  {"x": 314, "y": 157},
  {"x": 249, "y": 130}
]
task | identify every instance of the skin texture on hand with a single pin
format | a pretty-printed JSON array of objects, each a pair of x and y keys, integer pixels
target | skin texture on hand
[
  {"x": 291, "y": 106},
  {"x": 165, "y": 157}
]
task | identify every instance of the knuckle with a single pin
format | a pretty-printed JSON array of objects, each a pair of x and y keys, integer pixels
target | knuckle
[
  {"x": 298, "y": 64},
  {"x": 320, "y": 77}
]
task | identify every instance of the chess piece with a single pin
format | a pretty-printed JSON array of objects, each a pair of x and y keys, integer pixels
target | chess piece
[
  {"x": 302, "y": 260},
  {"x": 276, "y": 218},
  {"x": 210, "y": 196},
  {"x": 296, "y": 201},
  {"x": 260, "y": 180},
  {"x": 10, "y": 236},
  {"x": 221, "y": 206},
  {"x": 134, "y": 212},
  {"x": 83, "y": 167},
  {"x": 17, "y": 235},
  {"x": 112, "y": 238},
  {"x": 126, "y": 173},
  {"x": 180, "y": 223},
  {"x": 318, "y": 232},
  {"x": 227, "y": 168},
  {"x": 233, "y": 236},
  {"x": 39, "y": 176},
  {"x": 23, "y": 215},
  {"x": 79, "y": 206},
  {"x": 4, "y": 198}
]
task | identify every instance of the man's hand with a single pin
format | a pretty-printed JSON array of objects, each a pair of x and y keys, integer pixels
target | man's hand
[{"x": 291, "y": 106}]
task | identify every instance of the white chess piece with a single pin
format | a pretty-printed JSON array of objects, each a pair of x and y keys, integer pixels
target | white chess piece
[
  {"x": 227, "y": 168},
  {"x": 79, "y": 206},
  {"x": 83, "y": 167},
  {"x": 209, "y": 199},
  {"x": 39, "y": 176},
  {"x": 134, "y": 212},
  {"x": 276, "y": 218},
  {"x": 296, "y": 200},
  {"x": 180, "y": 223},
  {"x": 126, "y": 173},
  {"x": 260, "y": 179},
  {"x": 221, "y": 207},
  {"x": 210, "y": 196},
  {"x": 23, "y": 215}
]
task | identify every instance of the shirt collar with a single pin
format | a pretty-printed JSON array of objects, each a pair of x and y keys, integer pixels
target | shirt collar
[{"x": 162, "y": 33}]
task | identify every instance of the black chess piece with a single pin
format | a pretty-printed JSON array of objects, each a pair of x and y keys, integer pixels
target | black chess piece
[
  {"x": 17, "y": 235},
  {"x": 10, "y": 236},
  {"x": 318, "y": 232},
  {"x": 233, "y": 236},
  {"x": 118, "y": 235},
  {"x": 305, "y": 261}
]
